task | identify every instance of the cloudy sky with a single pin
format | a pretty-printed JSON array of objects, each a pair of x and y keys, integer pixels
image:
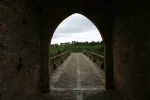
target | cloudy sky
[{"x": 76, "y": 28}]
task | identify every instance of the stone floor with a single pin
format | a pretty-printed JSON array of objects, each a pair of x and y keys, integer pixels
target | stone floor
[{"x": 78, "y": 78}]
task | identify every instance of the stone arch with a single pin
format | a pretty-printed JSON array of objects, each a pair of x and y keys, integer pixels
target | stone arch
[
  {"x": 108, "y": 52},
  {"x": 102, "y": 35},
  {"x": 29, "y": 24}
]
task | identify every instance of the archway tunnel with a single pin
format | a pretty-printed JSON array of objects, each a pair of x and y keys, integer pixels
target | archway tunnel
[
  {"x": 76, "y": 74},
  {"x": 27, "y": 26}
]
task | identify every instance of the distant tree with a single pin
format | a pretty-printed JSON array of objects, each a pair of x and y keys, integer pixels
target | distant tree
[{"x": 58, "y": 51}]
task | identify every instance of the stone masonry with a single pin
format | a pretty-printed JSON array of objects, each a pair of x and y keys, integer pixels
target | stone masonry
[{"x": 27, "y": 27}]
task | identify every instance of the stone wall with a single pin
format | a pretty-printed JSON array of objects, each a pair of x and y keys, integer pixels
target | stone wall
[
  {"x": 127, "y": 32},
  {"x": 19, "y": 51},
  {"x": 131, "y": 46}
]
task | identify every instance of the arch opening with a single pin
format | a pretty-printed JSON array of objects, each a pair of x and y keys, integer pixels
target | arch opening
[
  {"x": 81, "y": 26},
  {"x": 69, "y": 37}
]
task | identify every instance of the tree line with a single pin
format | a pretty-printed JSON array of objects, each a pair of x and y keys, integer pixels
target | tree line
[{"x": 76, "y": 46}]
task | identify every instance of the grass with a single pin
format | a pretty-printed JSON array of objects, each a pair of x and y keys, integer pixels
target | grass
[{"x": 96, "y": 48}]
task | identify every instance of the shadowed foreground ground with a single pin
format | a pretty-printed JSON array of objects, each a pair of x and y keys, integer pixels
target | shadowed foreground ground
[{"x": 78, "y": 78}]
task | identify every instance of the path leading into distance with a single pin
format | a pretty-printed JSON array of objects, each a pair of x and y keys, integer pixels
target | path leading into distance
[{"x": 78, "y": 78}]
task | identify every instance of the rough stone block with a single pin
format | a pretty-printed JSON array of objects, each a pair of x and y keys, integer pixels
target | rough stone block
[
  {"x": 9, "y": 74},
  {"x": 2, "y": 87},
  {"x": 23, "y": 80},
  {"x": 12, "y": 84}
]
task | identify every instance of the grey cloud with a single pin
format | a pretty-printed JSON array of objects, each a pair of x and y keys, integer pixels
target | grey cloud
[
  {"x": 70, "y": 29},
  {"x": 75, "y": 24}
]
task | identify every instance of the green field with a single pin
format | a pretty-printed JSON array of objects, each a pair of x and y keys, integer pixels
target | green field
[{"x": 75, "y": 46}]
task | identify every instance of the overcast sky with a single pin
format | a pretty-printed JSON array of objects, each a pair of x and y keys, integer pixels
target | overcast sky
[{"x": 76, "y": 28}]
